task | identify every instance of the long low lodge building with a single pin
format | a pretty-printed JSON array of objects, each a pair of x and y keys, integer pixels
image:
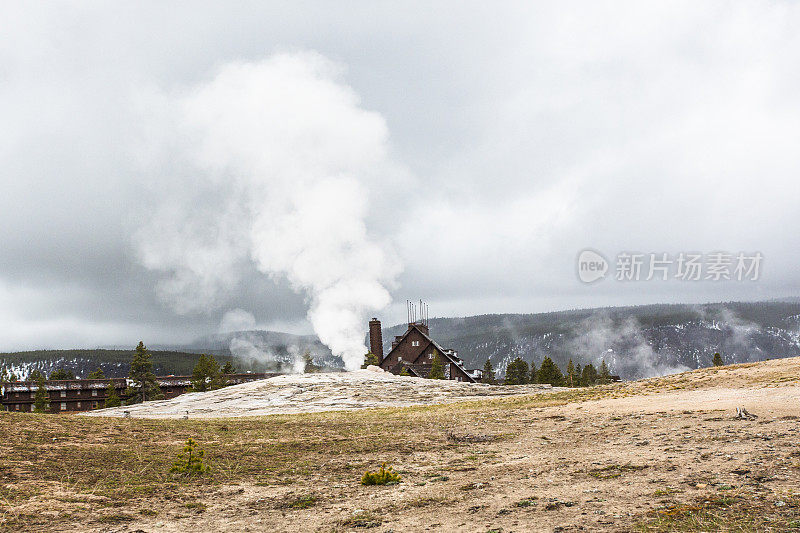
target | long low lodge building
[{"x": 86, "y": 394}]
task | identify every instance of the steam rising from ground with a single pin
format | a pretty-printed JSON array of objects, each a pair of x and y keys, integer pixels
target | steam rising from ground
[
  {"x": 273, "y": 161},
  {"x": 596, "y": 336}
]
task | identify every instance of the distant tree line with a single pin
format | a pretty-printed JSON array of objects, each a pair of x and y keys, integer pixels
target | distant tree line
[
  {"x": 142, "y": 383},
  {"x": 518, "y": 372},
  {"x": 114, "y": 363}
]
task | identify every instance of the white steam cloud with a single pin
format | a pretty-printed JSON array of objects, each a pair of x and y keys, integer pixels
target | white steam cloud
[
  {"x": 599, "y": 334},
  {"x": 272, "y": 167}
]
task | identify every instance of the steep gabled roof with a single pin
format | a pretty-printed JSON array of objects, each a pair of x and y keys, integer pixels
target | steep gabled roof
[{"x": 447, "y": 354}]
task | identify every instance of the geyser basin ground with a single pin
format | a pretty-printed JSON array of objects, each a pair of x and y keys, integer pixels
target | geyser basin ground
[
  {"x": 665, "y": 454},
  {"x": 330, "y": 391}
]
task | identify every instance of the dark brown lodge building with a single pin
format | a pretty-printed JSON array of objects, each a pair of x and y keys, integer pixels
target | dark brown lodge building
[
  {"x": 87, "y": 394},
  {"x": 415, "y": 350}
]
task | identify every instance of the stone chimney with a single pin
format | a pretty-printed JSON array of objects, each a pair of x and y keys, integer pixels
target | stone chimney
[{"x": 376, "y": 338}]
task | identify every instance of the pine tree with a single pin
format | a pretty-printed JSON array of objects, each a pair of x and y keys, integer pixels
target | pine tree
[
  {"x": 35, "y": 375},
  {"x": 488, "y": 373},
  {"x": 40, "y": 399},
  {"x": 589, "y": 375},
  {"x": 578, "y": 371},
  {"x": 144, "y": 386},
  {"x": 308, "y": 364},
  {"x": 370, "y": 359},
  {"x": 437, "y": 368},
  {"x": 717, "y": 360},
  {"x": 190, "y": 461},
  {"x": 228, "y": 368},
  {"x": 207, "y": 375},
  {"x": 112, "y": 398},
  {"x": 534, "y": 378},
  {"x": 62, "y": 374},
  {"x": 405, "y": 372},
  {"x": 97, "y": 374},
  {"x": 570, "y": 374},
  {"x": 517, "y": 372},
  {"x": 550, "y": 373},
  {"x": 605, "y": 374}
]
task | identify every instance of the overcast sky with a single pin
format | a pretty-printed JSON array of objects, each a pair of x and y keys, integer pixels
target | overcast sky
[{"x": 498, "y": 141}]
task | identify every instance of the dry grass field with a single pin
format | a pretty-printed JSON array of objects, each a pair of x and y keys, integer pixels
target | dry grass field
[{"x": 655, "y": 455}]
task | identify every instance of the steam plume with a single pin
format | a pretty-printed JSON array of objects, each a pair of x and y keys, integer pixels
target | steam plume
[{"x": 277, "y": 155}]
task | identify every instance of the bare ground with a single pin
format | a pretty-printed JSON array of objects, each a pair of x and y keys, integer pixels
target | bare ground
[
  {"x": 655, "y": 455},
  {"x": 316, "y": 392}
]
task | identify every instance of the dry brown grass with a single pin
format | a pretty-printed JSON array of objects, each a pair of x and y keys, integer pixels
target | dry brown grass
[{"x": 519, "y": 463}]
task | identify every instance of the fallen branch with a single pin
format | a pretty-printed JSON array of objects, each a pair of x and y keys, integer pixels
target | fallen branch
[{"x": 743, "y": 414}]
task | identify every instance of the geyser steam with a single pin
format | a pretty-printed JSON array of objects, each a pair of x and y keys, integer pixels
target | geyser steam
[{"x": 271, "y": 165}]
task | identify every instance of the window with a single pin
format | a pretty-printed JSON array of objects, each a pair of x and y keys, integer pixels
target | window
[
  {"x": 414, "y": 343},
  {"x": 169, "y": 391},
  {"x": 79, "y": 405},
  {"x": 63, "y": 394},
  {"x": 63, "y": 406},
  {"x": 17, "y": 407},
  {"x": 94, "y": 405},
  {"x": 430, "y": 356},
  {"x": 33, "y": 408},
  {"x": 94, "y": 392},
  {"x": 16, "y": 395}
]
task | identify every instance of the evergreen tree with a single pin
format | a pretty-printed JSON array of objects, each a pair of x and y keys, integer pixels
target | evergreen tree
[
  {"x": 534, "y": 377},
  {"x": 97, "y": 374},
  {"x": 605, "y": 374},
  {"x": 62, "y": 374},
  {"x": 144, "y": 386},
  {"x": 405, "y": 371},
  {"x": 112, "y": 398},
  {"x": 517, "y": 372},
  {"x": 228, "y": 368},
  {"x": 207, "y": 375},
  {"x": 578, "y": 371},
  {"x": 589, "y": 375},
  {"x": 488, "y": 373},
  {"x": 717, "y": 360},
  {"x": 370, "y": 359},
  {"x": 571, "y": 374},
  {"x": 35, "y": 375},
  {"x": 309, "y": 365},
  {"x": 550, "y": 373},
  {"x": 40, "y": 399},
  {"x": 437, "y": 368}
]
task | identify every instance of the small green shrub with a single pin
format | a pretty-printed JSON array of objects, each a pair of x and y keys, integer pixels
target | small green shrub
[
  {"x": 303, "y": 502},
  {"x": 384, "y": 476},
  {"x": 190, "y": 461}
]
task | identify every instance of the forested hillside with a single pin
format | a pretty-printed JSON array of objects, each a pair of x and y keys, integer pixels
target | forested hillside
[
  {"x": 636, "y": 341},
  {"x": 114, "y": 363}
]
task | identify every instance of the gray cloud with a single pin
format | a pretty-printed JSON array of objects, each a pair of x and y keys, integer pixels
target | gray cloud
[{"x": 525, "y": 134}]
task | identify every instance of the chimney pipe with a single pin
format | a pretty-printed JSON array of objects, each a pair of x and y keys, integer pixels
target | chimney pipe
[{"x": 376, "y": 338}]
